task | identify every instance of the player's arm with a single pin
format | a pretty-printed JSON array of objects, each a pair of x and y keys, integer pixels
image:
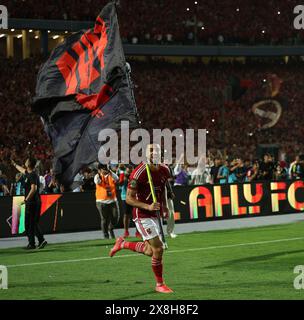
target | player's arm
[
  {"x": 132, "y": 201},
  {"x": 19, "y": 168}
]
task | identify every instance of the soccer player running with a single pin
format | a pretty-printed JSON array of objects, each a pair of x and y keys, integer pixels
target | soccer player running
[{"x": 145, "y": 213}]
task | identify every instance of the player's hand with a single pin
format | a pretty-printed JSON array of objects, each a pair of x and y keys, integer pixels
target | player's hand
[{"x": 154, "y": 206}]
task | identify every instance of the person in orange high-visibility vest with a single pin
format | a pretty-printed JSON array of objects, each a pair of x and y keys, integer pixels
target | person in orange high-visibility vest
[{"x": 106, "y": 200}]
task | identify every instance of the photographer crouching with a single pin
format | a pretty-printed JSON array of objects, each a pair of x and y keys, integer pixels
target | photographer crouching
[{"x": 106, "y": 200}]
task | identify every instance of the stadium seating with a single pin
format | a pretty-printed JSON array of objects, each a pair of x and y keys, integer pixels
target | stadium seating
[
  {"x": 186, "y": 95},
  {"x": 173, "y": 21}
]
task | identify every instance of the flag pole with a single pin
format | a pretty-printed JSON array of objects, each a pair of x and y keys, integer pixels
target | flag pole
[{"x": 155, "y": 200}]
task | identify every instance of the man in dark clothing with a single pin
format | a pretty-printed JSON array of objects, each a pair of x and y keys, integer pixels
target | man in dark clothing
[
  {"x": 88, "y": 181},
  {"x": 267, "y": 168},
  {"x": 215, "y": 169},
  {"x": 241, "y": 171},
  {"x": 32, "y": 203},
  {"x": 300, "y": 170}
]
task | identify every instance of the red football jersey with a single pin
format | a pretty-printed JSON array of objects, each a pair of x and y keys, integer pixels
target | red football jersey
[{"x": 139, "y": 182}]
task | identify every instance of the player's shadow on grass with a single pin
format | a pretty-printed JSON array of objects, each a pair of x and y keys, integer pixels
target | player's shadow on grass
[
  {"x": 74, "y": 248},
  {"x": 75, "y": 283},
  {"x": 98, "y": 245},
  {"x": 21, "y": 251},
  {"x": 254, "y": 258},
  {"x": 52, "y": 249},
  {"x": 129, "y": 297},
  {"x": 214, "y": 285},
  {"x": 54, "y": 284}
]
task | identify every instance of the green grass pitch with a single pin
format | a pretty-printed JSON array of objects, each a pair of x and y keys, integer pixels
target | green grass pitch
[{"x": 256, "y": 263}]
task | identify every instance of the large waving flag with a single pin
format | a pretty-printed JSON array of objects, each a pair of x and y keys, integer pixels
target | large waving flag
[{"x": 85, "y": 87}]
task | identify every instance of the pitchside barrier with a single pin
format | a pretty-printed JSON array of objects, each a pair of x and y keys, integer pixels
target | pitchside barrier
[{"x": 72, "y": 212}]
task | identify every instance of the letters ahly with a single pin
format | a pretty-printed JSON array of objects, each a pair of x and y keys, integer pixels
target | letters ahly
[{"x": 255, "y": 197}]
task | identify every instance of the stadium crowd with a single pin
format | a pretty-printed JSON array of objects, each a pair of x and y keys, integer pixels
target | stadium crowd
[
  {"x": 183, "y": 95},
  {"x": 180, "y": 21},
  {"x": 217, "y": 169}
]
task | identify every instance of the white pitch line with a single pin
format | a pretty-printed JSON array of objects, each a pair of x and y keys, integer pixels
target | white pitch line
[{"x": 167, "y": 252}]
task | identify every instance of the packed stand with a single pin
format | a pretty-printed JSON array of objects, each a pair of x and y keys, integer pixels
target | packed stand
[
  {"x": 217, "y": 169},
  {"x": 180, "y": 21},
  {"x": 222, "y": 169},
  {"x": 169, "y": 95}
]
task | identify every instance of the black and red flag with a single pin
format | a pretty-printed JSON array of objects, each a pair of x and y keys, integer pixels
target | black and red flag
[{"x": 85, "y": 87}]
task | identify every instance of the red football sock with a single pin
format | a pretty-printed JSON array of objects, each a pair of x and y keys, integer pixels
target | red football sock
[
  {"x": 134, "y": 246},
  {"x": 157, "y": 267}
]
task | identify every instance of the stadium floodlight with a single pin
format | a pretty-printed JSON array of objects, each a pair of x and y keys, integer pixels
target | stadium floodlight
[
  {"x": 2, "y": 35},
  {"x": 19, "y": 36},
  {"x": 31, "y": 30},
  {"x": 56, "y": 37},
  {"x": 12, "y": 30}
]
